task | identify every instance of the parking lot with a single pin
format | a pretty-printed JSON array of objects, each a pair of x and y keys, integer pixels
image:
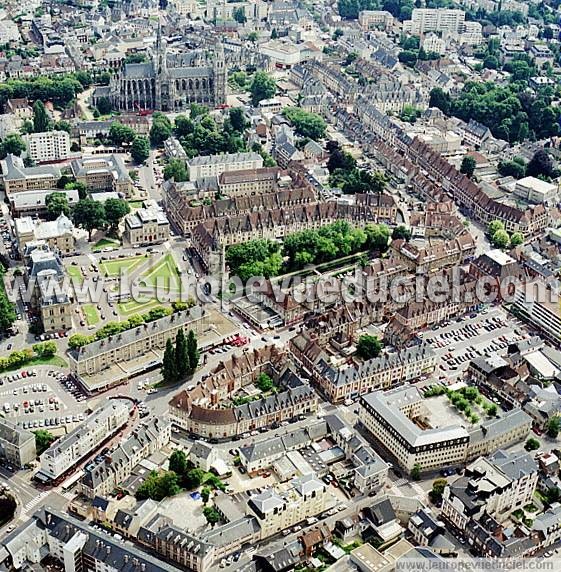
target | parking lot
[
  {"x": 41, "y": 397},
  {"x": 458, "y": 342}
]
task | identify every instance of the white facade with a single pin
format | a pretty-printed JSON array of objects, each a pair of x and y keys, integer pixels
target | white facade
[
  {"x": 66, "y": 452},
  {"x": 433, "y": 43},
  {"x": 434, "y": 20},
  {"x": 215, "y": 165},
  {"x": 48, "y": 146}
]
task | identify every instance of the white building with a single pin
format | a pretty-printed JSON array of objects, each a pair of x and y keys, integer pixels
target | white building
[
  {"x": 496, "y": 486},
  {"x": 535, "y": 190},
  {"x": 434, "y": 20},
  {"x": 375, "y": 20},
  {"x": 48, "y": 146},
  {"x": 146, "y": 226},
  {"x": 215, "y": 165},
  {"x": 98, "y": 427},
  {"x": 433, "y": 43}
]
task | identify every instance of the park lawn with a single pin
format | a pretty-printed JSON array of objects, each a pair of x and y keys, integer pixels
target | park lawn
[
  {"x": 75, "y": 273},
  {"x": 132, "y": 307},
  {"x": 113, "y": 267},
  {"x": 104, "y": 243},
  {"x": 165, "y": 271},
  {"x": 90, "y": 313}
]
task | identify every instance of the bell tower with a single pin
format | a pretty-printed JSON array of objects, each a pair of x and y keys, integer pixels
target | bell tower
[{"x": 220, "y": 78}]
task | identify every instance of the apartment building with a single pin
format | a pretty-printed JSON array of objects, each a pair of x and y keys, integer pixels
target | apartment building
[
  {"x": 146, "y": 226},
  {"x": 495, "y": 486},
  {"x": 395, "y": 419},
  {"x": 58, "y": 234},
  {"x": 49, "y": 297},
  {"x": 150, "y": 436},
  {"x": 200, "y": 409},
  {"x": 17, "y": 177},
  {"x": 142, "y": 341},
  {"x": 375, "y": 20},
  {"x": 66, "y": 452},
  {"x": 75, "y": 544},
  {"x": 214, "y": 165},
  {"x": 339, "y": 382},
  {"x": 48, "y": 146},
  {"x": 547, "y": 526},
  {"x": 249, "y": 182},
  {"x": 103, "y": 173},
  {"x": 17, "y": 445},
  {"x": 425, "y": 20},
  {"x": 283, "y": 507}
]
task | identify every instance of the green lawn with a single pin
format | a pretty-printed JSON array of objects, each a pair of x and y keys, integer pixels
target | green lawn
[
  {"x": 135, "y": 204},
  {"x": 164, "y": 271},
  {"x": 75, "y": 273},
  {"x": 112, "y": 268},
  {"x": 104, "y": 243},
  {"x": 132, "y": 307},
  {"x": 90, "y": 313},
  {"x": 55, "y": 361}
]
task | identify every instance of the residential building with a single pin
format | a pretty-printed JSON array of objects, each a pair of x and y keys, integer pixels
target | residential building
[
  {"x": 147, "y": 225},
  {"x": 249, "y": 182},
  {"x": 375, "y": 20},
  {"x": 214, "y": 165},
  {"x": 150, "y": 436},
  {"x": 67, "y": 451},
  {"x": 432, "y": 43},
  {"x": 17, "y": 445},
  {"x": 58, "y": 234},
  {"x": 103, "y": 173},
  {"x": 547, "y": 525},
  {"x": 282, "y": 508},
  {"x": 533, "y": 190},
  {"x": 48, "y": 146},
  {"x": 434, "y": 20},
  {"x": 17, "y": 177},
  {"x": 49, "y": 297},
  {"x": 496, "y": 486}
]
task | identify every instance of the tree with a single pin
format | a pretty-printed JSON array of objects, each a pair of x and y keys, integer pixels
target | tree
[
  {"x": 264, "y": 382},
  {"x": 553, "y": 426},
  {"x": 540, "y": 164},
  {"x": 239, "y": 15},
  {"x": 76, "y": 341},
  {"x": 169, "y": 371},
  {"x": 553, "y": 495},
  {"x": 516, "y": 239},
  {"x": 500, "y": 239},
  {"x": 377, "y": 236},
  {"x": 43, "y": 440},
  {"x": 401, "y": 232},
  {"x": 368, "y": 347},
  {"x": 237, "y": 119},
  {"x": 192, "y": 351},
  {"x": 262, "y": 87},
  {"x": 440, "y": 99},
  {"x": 159, "y": 486},
  {"x": 103, "y": 105},
  {"x": 492, "y": 410},
  {"x": 205, "y": 494},
  {"x": 176, "y": 169},
  {"x": 306, "y": 124},
  {"x": 491, "y": 62},
  {"x": 120, "y": 134},
  {"x": 211, "y": 514},
  {"x": 494, "y": 226},
  {"x": 161, "y": 129},
  {"x": 178, "y": 462},
  {"x": 12, "y": 144},
  {"x": 63, "y": 126},
  {"x": 468, "y": 166},
  {"x": 182, "y": 365},
  {"x": 416, "y": 472},
  {"x": 89, "y": 215},
  {"x": 252, "y": 37},
  {"x": 57, "y": 204},
  {"x": 514, "y": 168},
  {"x": 45, "y": 349},
  {"x": 41, "y": 120},
  {"x": 115, "y": 210},
  {"x": 438, "y": 487},
  {"x": 532, "y": 444},
  {"x": 194, "y": 478}
]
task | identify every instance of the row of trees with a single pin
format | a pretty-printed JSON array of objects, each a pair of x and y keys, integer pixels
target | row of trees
[
  {"x": 124, "y": 136},
  {"x": 113, "y": 328},
  {"x": 511, "y": 112},
  {"x": 500, "y": 238},
  {"x": 180, "y": 360},
  {"x": 19, "y": 358},
  {"x": 91, "y": 215},
  {"x": 7, "y": 309}
]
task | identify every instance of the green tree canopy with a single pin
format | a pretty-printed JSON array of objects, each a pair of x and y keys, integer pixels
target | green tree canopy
[
  {"x": 140, "y": 150},
  {"x": 306, "y": 124},
  {"x": 468, "y": 166},
  {"x": 176, "y": 169},
  {"x": 89, "y": 215},
  {"x": 41, "y": 120},
  {"x": 57, "y": 204},
  {"x": 115, "y": 210},
  {"x": 368, "y": 347},
  {"x": 262, "y": 87}
]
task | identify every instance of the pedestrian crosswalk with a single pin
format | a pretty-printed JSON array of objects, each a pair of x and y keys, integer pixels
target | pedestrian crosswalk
[{"x": 29, "y": 506}]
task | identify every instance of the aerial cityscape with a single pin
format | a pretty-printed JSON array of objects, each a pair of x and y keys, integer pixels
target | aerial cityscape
[{"x": 280, "y": 285}]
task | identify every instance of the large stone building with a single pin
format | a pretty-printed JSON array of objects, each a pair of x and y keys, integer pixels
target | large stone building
[
  {"x": 168, "y": 81},
  {"x": 17, "y": 445}
]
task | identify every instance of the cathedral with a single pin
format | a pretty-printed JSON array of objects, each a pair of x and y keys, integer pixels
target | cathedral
[{"x": 170, "y": 81}]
